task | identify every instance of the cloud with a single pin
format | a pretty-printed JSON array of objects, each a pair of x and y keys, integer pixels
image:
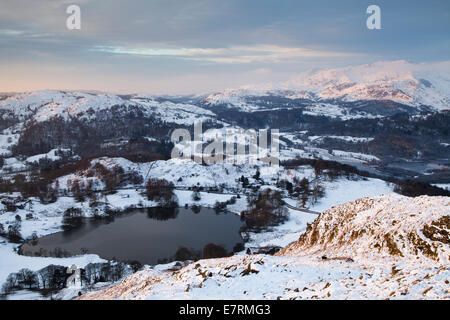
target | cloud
[
  {"x": 232, "y": 55},
  {"x": 16, "y": 34},
  {"x": 11, "y": 32}
]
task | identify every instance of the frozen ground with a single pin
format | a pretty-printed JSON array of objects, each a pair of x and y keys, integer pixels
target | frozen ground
[
  {"x": 344, "y": 190},
  {"x": 445, "y": 186}
]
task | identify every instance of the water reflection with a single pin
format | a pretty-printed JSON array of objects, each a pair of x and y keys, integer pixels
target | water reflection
[{"x": 162, "y": 214}]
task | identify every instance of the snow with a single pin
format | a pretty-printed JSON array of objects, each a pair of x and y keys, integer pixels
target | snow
[
  {"x": 209, "y": 199},
  {"x": 344, "y": 138},
  {"x": 175, "y": 112},
  {"x": 51, "y": 155},
  {"x": 355, "y": 155},
  {"x": 25, "y": 295},
  {"x": 398, "y": 81},
  {"x": 13, "y": 165},
  {"x": 445, "y": 186},
  {"x": 344, "y": 190},
  {"x": 8, "y": 138},
  {"x": 233, "y": 98},
  {"x": 335, "y": 111},
  {"x": 216, "y": 175},
  {"x": 285, "y": 233},
  {"x": 47, "y": 104}
]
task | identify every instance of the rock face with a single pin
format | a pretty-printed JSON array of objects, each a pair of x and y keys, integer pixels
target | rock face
[{"x": 416, "y": 229}]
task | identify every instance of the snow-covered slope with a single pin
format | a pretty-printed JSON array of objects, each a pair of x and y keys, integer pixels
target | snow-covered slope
[
  {"x": 379, "y": 248},
  {"x": 45, "y": 104},
  {"x": 415, "y": 229},
  {"x": 179, "y": 113},
  {"x": 425, "y": 84}
]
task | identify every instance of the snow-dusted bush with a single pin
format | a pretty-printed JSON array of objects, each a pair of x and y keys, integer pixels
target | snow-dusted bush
[{"x": 212, "y": 250}]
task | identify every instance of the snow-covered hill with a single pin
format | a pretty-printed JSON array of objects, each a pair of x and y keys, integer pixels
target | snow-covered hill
[
  {"x": 403, "y": 253},
  {"x": 46, "y": 104},
  {"x": 31, "y": 116},
  {"x": 414, "y": 229},
  {"x": 417, "y": 85}
]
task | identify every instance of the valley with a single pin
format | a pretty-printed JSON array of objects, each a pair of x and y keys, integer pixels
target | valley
[{"x": 357, "y": 207}]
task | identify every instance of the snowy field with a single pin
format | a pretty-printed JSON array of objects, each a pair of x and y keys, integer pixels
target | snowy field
[{"x": 344, "y": 190}]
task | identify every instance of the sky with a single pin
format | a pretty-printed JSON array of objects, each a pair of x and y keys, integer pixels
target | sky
[{"x": 201, "y": 46}]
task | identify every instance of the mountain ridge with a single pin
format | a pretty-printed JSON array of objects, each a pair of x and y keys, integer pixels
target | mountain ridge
[{"x": 399, "y": 81}]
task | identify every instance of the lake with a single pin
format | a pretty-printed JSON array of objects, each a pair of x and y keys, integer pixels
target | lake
[{"x": 149, "y": 236}]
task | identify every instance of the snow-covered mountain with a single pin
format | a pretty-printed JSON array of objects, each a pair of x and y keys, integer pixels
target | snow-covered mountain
[
  {"x": 417, "y": 85},
  {"x": 403, "y": 253}
]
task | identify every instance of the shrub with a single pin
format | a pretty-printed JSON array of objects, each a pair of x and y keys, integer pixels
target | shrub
[
  {"x": 196, "y": 209},
  {"x": 239, "y": 247},
  {"x": 13, "y": 234},
  {"x": 143, "y": 157},
  {"x": 2, "y": 230},
  {"x": 184, "y": 254},
  {"x": 27, "y": 278},
  {"x": 264, "y": 210},
  {"x": 196, "y": 195},
  {"x": 415, "y": 188},
  {"x": 212, "y": 250},
  {"x": 244, "y": 181},
  {"x": 72, "y": 218},
  {"x": 220, "y": 206},
  {"x": 161, "y": 191}
]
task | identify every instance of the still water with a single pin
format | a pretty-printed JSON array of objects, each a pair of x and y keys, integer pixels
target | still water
[{"x": 148, "y": 236}]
